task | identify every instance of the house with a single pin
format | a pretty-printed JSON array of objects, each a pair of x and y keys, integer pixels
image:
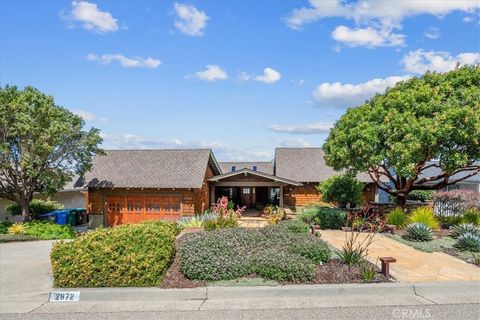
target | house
[
  {"x": 129, "y": 186},
  {"x": 73, "y": 195}
]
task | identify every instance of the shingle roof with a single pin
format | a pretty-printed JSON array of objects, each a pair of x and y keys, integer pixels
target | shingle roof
[
  {"x": 262, "y": 166},
  {"x": 255, "y": 173},
  {"x": 433, "y": 171},
  {"x": 306, "y": 165},
  {"x": 183, "y": 168}
]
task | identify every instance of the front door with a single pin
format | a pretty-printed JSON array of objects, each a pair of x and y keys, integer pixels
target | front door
[{"x": 248, "y": 197}]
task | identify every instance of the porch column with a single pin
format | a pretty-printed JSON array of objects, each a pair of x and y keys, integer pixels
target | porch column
[
  {"x": 281, "y": 196},
  {"x": 212, "y": 195}
]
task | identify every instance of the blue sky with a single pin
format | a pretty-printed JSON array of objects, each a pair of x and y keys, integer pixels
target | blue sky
[{"x": 241, "y": 77}]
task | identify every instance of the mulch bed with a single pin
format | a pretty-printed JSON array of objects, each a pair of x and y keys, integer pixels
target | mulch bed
[{"x": 332, "y": 272}]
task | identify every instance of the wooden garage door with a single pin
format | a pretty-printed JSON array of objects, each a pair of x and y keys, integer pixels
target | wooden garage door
[{"x": 134, "y": 209}]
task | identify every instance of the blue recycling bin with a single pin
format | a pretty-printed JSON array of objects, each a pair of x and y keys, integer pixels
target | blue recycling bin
[
  {"x": 50, "y": 216},
  {"x": 62, "y": 216}
]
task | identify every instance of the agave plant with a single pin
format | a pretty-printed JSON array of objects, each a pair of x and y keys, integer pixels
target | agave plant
[
  {"x": 418, "y": 232},
  {"x": 191, "y": 222},
  {"x": 458, "y": 230},
  {"x": 468, "y": 242},
  {"x": 17, "y": 228}
]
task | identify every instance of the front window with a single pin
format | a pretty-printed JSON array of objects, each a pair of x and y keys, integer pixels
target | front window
[
  {"x": 274, "y": 196},
  {"x": 246, "y": 191}
]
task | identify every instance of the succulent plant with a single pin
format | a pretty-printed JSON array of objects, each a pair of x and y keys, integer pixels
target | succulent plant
[
  {"x": 468, "y": 242},
  {"x": 462, "y": 228},
  {"x": 418, "y": 232},
  {"x": 17, "y": 228}
]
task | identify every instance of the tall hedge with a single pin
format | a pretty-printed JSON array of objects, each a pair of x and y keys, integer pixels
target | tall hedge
[{"x": 125, "y": 256}]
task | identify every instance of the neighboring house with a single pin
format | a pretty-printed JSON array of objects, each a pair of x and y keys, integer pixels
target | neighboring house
[
  {"x": 128, "y": 186},
  {"x": 73, "y": 195}
]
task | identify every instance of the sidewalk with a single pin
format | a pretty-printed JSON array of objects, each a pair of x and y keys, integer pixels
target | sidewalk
[
  {"x": 412, "y": 266},
  {"x": 263, "y": 298}
]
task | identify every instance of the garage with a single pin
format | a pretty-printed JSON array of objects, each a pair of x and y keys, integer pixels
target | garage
[{"x": 123, "y": 209}]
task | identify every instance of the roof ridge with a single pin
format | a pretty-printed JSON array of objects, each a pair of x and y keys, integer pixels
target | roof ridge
[{"x": 165, "y": 149}]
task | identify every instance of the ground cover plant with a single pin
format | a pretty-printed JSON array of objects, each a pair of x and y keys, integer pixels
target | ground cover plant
[
  {"x": 281, "y": 252},
  {"x": 127, "y": 255},
  {"x": 38, "y": 230},
  {"x": 326, "y": 218}
]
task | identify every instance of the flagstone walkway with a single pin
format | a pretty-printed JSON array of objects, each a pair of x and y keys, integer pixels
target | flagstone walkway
[{"x": 412, "y": 265}]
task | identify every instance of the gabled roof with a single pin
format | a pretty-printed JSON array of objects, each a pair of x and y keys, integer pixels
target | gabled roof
[
  {"x": 255, "y": 173},
  {"x": 306, "y": 165},
  {"x": 181, "y": 168},
  {"x": 262, "y": 166}
]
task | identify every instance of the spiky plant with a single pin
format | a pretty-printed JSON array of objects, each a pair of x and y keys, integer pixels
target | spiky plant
[
  {"x": 17, "y": 228},
  {"x": 468, "y": 242},
  {"x": 458, "y": 230},
  {"x": 418, "y": 232}
]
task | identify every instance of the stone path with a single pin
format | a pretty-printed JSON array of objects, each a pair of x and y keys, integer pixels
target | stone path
[{"x": 412, "y": 265}]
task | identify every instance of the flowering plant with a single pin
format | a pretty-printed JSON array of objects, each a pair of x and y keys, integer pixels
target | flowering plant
[{"x": 224, "y": 208}]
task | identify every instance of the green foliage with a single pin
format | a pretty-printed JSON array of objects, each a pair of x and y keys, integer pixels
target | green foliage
[
  {"x": 418, "y": 232},
  {"x": 458, "y": 230},
  {"x": 47, "y": 230},
  {"x": 430, "y": 117},
  {"x": 4, "y": 225},
  {"x": 355, "y": 248},
  {"x": 471, "y": 216},
  {"x": 35, "y": 208},
  {"x": 425, "y": 216},
  {"x": 295, "y": 226},
  {"x": 125, "y": 256},
  {"x": 273, "y": 252},
  {"x": 468, "y": 242},
  {"x": 326, "y": 218},
  {"x": 475, "y": 258},
  {"x": 191, "y": 222},
  {"x": 398, "y": 218},
  {"x": 274, "y": 214},
  {"x": 448, "y": 221},
  {"x": 368, "y": 271},
  {"x": 16, "y": 238},
  {"x": 220, "y": 223},
  {"x": 343, "y": 189},
  {"x": 420, "y": 195},
  {"x": 43, "y": 145}
]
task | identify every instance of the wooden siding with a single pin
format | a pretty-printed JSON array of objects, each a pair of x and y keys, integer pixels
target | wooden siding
[{"x": 294, "y": 196}]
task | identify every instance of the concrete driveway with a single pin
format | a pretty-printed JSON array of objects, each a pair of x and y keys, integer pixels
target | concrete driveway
[{"x": 25, "y": 275}]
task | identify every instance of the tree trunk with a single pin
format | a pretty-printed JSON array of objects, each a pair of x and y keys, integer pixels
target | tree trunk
[
  {"x": 401, "y": 200},
  {"x": 24, "y": 202}
]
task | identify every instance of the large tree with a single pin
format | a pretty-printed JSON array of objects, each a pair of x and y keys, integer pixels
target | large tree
[
  {"x": 395, "y": 135},
  {"x": 42, "y": 145}
]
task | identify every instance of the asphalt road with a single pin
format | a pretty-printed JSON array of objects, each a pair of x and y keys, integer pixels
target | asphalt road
[{"x": 437, "y": 312}]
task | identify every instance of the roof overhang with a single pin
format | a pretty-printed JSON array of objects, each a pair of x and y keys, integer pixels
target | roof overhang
[{"x": 255, "y": 173}]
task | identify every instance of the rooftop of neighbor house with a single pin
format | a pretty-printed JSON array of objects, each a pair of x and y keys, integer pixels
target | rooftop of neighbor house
[
  {"x": 435, "y": 170},
  {"x": 261, "y": 166}
]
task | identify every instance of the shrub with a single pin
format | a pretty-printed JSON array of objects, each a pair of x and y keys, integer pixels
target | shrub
[
  {"x": 331, "y": 218},
  {"x": 4, "y": 225},
  {"x": 220, "y": 223},
  {"x": 398, "y": 218},
  {"x": 273, "y": 214},
  {"x": 448, "y": 221},
  {"x": 35, "y": 208},
  {"x": 17, "y": 228},
  {"x": 47, "y": 230},
  {"x": 418, "y": 232},
  {"x": 425, "y": 215},
  {"x": 295, "y": 226},
  {"x": 308, "y": 214},
  {"x": 124, "y": 256},
  {"x": 462, "y": 228},
  {"x": 343, "y": 189},
  {"x": 468, "y": 242},
  {"x": 274, "y": 252},
  {"x": 471, "y": 216},
  {"x": 420, "y": 195}
]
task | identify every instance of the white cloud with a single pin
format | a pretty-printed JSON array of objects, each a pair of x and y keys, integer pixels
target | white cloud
[
  {"x": 349, "y": 95},
  {"x": 91, "y": 17},
  {"x": 293, "y": 142},
  {"x": 368, "y": 37},
  {"x": 87, "y": 115},
  {"x": 421, "y": 61},
  {"x": 135, "y": 62},
  {"x": 269, "y": 76},
  {"x": 432, "y": 33},
  {"x": 381, "y": 15},
  {"x": 212, "y": 72},
  {"x": 191, "y": 21},
  {"x": 308, "y": 128}
]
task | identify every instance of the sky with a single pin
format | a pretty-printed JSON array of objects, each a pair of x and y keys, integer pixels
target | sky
[{"x": 240, "y": 76}]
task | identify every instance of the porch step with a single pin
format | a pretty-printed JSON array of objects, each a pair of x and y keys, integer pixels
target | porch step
[{"x": 253, "y": 222}]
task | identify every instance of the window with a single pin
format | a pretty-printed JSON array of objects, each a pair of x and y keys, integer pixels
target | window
[
  {"x": 246, "y": 191},
  {"x": 233, "y": 168},
  {"x": 254, "y": 168},
  {"x": 274, "y": 196}
]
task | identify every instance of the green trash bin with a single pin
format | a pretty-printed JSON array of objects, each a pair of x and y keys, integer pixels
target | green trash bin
[{"x": 72, "y": 217}]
